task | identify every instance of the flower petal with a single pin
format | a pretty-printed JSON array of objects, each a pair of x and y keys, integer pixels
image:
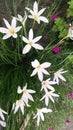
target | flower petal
[
  {"x": 35, "y": 63},
  {"x": 26, "y": 49},
  {"x": 17, "y": 28},
  {"x": 40, "y": 75},
  {"x": 37, "y": 39},
  {"x": 13, "y": 23},
  {"x": 45, "y": 110},
  {"x": 19, "y": 90},
  {"x": 37, "y": 46},
  {"x": 35, "y": 7},
  {"x": 25, "y": 39},
  {"x": 7, "y": 23},
  {"x": 45, "y": 65},
  {"x": 45, "y": 71},
  {"x": 2, "y": 123},
  {"x": 3, "y": 30},
  {"x": 44, "y": 19},
  {"x": 34, "y": 72},
  {"x": 41, "y": 11},
  {"x": 6, "y": 36},
  {"x": 14, "y": 35},
  {"x": 30, "y": 35}
]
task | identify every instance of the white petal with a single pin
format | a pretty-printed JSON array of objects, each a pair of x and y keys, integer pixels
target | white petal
[
  {"x": 3, "y": 30},
  {"x": 37, "y": 46},
  {"x": 62, "y": 78},
  {"x": 16, "y": 109},
  {"x": 19, "y": 90},
  {"x": 55, "y": 95},
  {"x": 45, "y": 110},
  {"x": 30, "y": 16},
  {"x": 4, "y": 111},
  {"x": 45, "y": 65},
  {"x": 41, "y": 11},
  {"x": 38, "y": 120},
  {"x": 26, "y": 49},
  {"x": 17, "y": 28},
  {"x": 30, "y": 97},
  {"x": 51, "y": 98},
  {"x": 30, "y": 35},
  {"x": 13, "y": 23},
  {"x": 6, "y": 36},
  {"x": 45, "y": 71},
  {"x": 46, "y": 101},
  {"x": 50, "y": 87},
  {"x": 44, "y": 19},
  {"x": 40, "y": 75},
  {"x": 42, "y": 116},
  {"x": 35, "y": 7},
  {"x": 31, "y": 91},
  {"x": 37, "y": 39},
  {"x": 14, "y": 35},
  {"x": 25, "y": 39},
  {"x": 2, "y": 116},
  {"x": 7, "y": 23},
  {"x": 35, "y": 63},
  {"x": 34, "y": 72},
  {"x": 22, "y": 109},
  {"x": 31, "y": 11},
  {"x": 2, "y": 123}
]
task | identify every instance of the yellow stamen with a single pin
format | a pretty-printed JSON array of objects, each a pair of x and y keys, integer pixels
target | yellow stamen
[
  {"x": 30, "y": 43},
  {"x": 20, "y": 101},
  {"x": 38, "y": 67},
  {"x": 35, "y": 16},
  {"x": 12, "y": 31},
  {"x": 25, "y": 91}
]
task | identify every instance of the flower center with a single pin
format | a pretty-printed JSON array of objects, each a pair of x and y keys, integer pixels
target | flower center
[
  {"x": 38, "y": 67},
  {"x": 19, "y": 102},
  {"x": 30, "y": 43},
  {"x": 12, "y": 31},
  {"x": 45, "y": 83},
  {"x": 35, "y": 16},
  {"x": 25, "y": 92}
]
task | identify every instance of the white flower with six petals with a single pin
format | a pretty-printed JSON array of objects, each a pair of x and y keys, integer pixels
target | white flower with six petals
[
  {"x": 11, "y": 30},
  {"x": 36, "y": 15},
  {"x": 26, "y": 94},
  {"x": 58, "y": 75},
  {"x": 40, "y": 114},
  {"x": 31, "y": 42},
  {"x": 40, "y": 68}
]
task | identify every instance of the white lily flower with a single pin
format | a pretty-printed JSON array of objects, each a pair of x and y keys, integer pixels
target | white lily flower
[
  {"x": 1, "y": 114},
  {"x": 31, "y": 42},
  {"x": 58, "y": 75},
  {"x": 11, "y": 30},
  {"x": 26, "y": 94},
  {"x": 40, "y": 68},
  {"x": 22, "y": 19},
  {"x": 40, "y": 114},
  {"x": 19, "y": 104},
  {"x": 3, "y": 123},
  {"x": 49, "y": 95},
  {"x": 70, "y": 32},
  {"x": 36, "y": 15},
  {"x": 47, "y": 85}
]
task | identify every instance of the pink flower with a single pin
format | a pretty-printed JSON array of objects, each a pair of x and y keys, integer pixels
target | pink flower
[
  {"x": 56, "y": 49},
  {"x": 50, "y": 128},
  {"x": 54, "y": 17},
  {"x": 70, "y": 95},
  {"x": 67, "y": 122}
]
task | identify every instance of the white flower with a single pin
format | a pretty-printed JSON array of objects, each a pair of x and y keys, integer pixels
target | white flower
[
  {"x": 1, "y": 114},
  {"x": 47, "y": 85},
  {"x": 40, "y": 114},
  {"x": 19, "y": 104},
  {"x": 70, "y": 32},
  {"x": 36, "y": 15},
  {"x": 22, "y": 19},
  {"x": 49, "y": 95},
  {"x": 31, "y": 42},
  {"x": 11, "y": 30},
  {"x": 40, "y": 68},
  {"x": 58, "y": 75},
  {"x": 3, "y": 123},
  {"x": 26, "y": 94}
]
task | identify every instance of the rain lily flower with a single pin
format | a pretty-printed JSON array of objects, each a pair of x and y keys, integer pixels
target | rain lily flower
[
  {"x": 70, "y": 32},
  {"x": 40, "y": 68},
  {"x": 31, "y": 42},
  {"x": 68, "y": 122},
  {"x": 19, "y": 104},
  {"x": 11, "y": 30},
  {"x": 54, "y": 17},
  {"x": 58, "y": 75},
  {"x": 2, "y": 123},
  {"x": 36, "y": 15},
  {"x": 56, "y": 49},
  {"x": 40, "y": 114},
  {"x": 26, "y": 94},
  {"x": 49, "y": 95},
  {"x": 1, "y": 114},
  {"x": 50, "y": 128},
  {"x": 22, "y": 19},
  {"x": 47, "y": 85},
  {"x": 70, "y": 95}
]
